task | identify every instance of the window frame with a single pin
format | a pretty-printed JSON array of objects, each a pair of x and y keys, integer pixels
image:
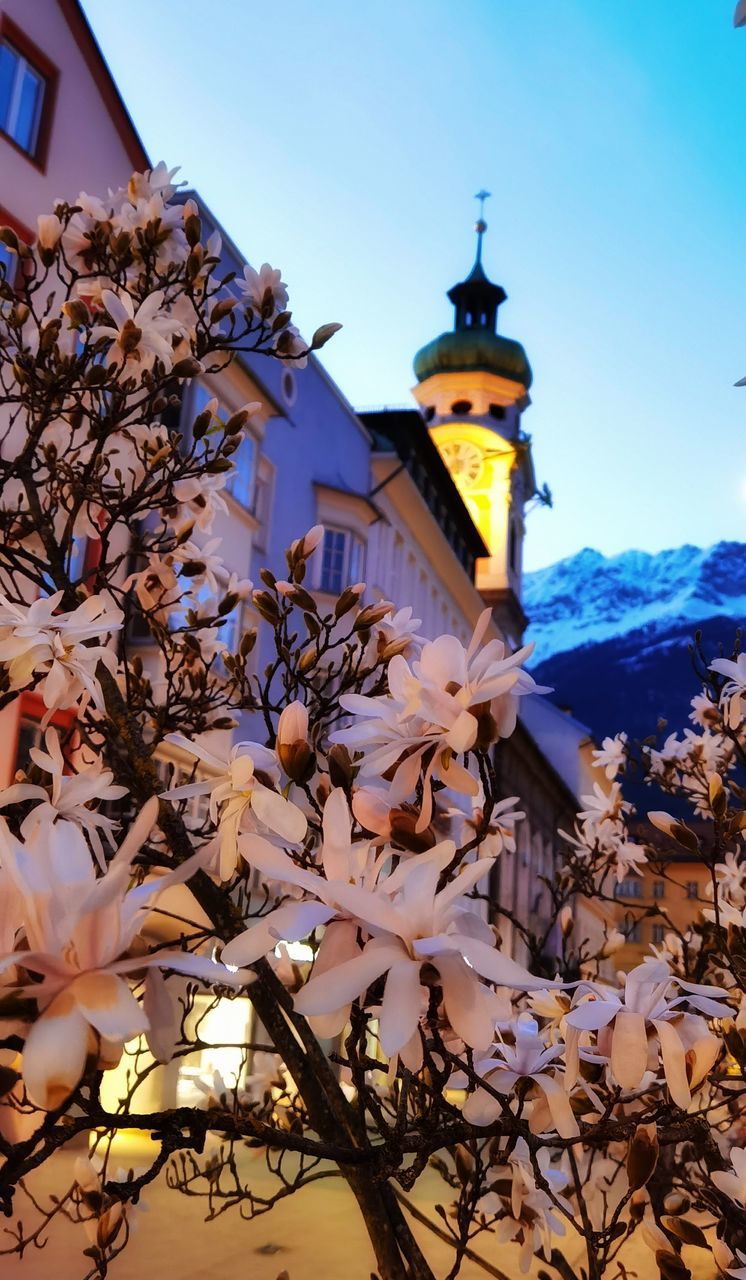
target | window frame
[
  {"x": 629, "y": 887},
  {"x": 48, "y": 71},
  {"x": 352, "y": 543}
]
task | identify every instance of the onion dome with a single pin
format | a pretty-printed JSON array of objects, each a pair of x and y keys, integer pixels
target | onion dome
[{"x": 474, "y": 342}]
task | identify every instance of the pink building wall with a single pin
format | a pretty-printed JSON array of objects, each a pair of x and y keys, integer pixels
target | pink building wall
[{"x": 91, "y": 145}]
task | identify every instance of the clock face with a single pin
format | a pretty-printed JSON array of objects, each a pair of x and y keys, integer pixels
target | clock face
[{"x": 464, "y": 461}]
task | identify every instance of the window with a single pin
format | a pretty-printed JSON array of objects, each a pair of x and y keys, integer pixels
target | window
[
  {"x": 342, "y": 558},
  {"x": 632, "y": 929},
  {"x": 630, "y": 887},
  {"x": 240, "y": 481},
  {"x": 692, "y": 889},
  {"x": 263, "y": 501},
  {"x": 22, "y": 92},
  {"x": 659, "y": 931},
  {"x": 659, "y": 889}
]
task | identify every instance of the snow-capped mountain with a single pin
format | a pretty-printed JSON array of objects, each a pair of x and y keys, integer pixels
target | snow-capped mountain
[
  {"x": 612, "y": 634},
  {"x": 589, "y": 598}
]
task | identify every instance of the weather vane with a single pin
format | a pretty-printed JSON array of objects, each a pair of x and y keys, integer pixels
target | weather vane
[{"x": 481, "y": 226}]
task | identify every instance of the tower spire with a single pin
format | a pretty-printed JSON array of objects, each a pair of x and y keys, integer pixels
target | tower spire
[{"x": 481, "y": 226}]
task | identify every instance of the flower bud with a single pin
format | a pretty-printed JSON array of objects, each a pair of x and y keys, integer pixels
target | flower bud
[
  {"x": 76, "y": 311},
  {"x": 371, "y": 614},
  {"x": 404, "y": 831},
  {"x": 566, "y": 920},
  {"x": 613, "y": 941},
  {"x": 348, "y": 599},
  {"x": 717, "y": 795},
  {"x": 642, "y": 1156},
  {"x": 293, "y": 749},
  {"x": 49, "y": 230},
  {"x": 303, "y": 547},
  {"x": 266, "y": 605},
  {"x": 341, "y": 768}
]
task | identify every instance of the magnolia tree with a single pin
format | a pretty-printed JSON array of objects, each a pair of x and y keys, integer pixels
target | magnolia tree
[{"x": 334, "y": 871}]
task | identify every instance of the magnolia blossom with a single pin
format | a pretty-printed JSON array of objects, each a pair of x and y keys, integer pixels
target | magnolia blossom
[
  {"x": 733, "y": 1184},
  {"x": 396, "y": 632},
  {"x": 37, "y": 640},
  {"x": 529, "y": 1058},
  {"x": 70, "y": 795},
  {"x": 647, "y": 1018},
  {"x": 139, "y": 336},
  {"x": 499, "y": 832},
  {"x": 236, "y": 793},
  {"x": 527, "y": 1213},
  {"x": 48, "y": 230},
  {"x": 612, "y": 755},
  {"x": 293, "y": 748},
  {"x": 199, "y": 500},
  {"x": 265, "y": 290},
  {"x": 449, "y": 701},
  {"x": 420, "y": 935},
  {"x": 79, "y": 931},
  {"x": 603, "y": 815},
  {"x": 733, "y": 695},
  {"x": 344, "y": 862}
]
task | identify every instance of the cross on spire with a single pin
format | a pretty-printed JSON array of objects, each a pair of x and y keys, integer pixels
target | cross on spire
[{"x": 480, "y": 225}]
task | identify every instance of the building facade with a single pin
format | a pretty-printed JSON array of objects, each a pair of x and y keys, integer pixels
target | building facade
[
  {"x": 63, "y": 129},
  {"x": 426, "y": 505}
]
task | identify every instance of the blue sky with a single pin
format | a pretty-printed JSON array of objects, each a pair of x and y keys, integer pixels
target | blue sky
[{"x": 344, "y": 143}]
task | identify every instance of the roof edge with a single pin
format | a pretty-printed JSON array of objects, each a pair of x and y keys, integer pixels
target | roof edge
[{"x": 86, "y": 41}]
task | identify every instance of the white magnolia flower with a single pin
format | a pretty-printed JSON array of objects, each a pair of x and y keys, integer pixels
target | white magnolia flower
[
  {"x": 36, "y": 639},
  {"x": 647, "y": 1018},
  {"x": 48, "y": 230},
  {"x": 264, "y": 289},
  {"x": 733, "y": 1184},
  {"x": 77, "y": 236},
  {"x": 138, "y": 337},
  {"x": 237, "y": 794},
  {"x": 416, "y": 930},
  {"x": 529, "y": 1058},
  {"x": 199, "y": 500},
  {"x": 343, "y": 862},
  {"x": 500, "y": 831},
  {"x": 70, "y": 795},
  {"x": 611, "y": 755},
  {"x": 449, "y": 701},
  {"x": 78, "y": 930},
  {"x": 733, "y": 695},
  {"x": 602, "y": 817},
  {"x": 531, "y": 1216}
]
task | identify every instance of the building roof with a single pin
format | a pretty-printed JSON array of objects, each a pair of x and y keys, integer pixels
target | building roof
[
  {"x": 470, "y": 349},
  {"x": 404, "y": 432},
  {"x": 474, "y": 343}
]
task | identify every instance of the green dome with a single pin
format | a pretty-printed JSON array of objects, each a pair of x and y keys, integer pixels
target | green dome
[{"x": 476, "y": 348}]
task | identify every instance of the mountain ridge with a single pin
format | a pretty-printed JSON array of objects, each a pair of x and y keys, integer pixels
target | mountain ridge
[
  {"x": 589, "y": 598},
  {"x": 613, "y": 634}
]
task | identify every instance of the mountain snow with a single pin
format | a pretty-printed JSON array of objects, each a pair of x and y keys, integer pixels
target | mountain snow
[{"x": 590, "y": 598}]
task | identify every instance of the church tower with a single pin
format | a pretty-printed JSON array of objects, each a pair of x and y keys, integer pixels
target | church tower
[{"x": 472, "y": 386}]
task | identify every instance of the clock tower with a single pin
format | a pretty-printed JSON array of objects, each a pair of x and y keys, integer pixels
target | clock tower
[{"x": 472, "y": 386}]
